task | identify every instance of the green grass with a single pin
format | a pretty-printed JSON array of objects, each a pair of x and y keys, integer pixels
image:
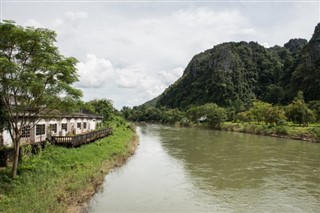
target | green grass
[
  {"x": 290, "y": 130},
  {"x": 49, "y": 181}
]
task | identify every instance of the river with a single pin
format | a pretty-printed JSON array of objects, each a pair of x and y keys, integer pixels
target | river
[{"x": 197, "y": 170}]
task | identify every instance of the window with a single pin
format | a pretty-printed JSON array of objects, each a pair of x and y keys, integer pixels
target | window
[
  {"x": 64, "y": 126},
  {"x": 53, "y": 128},
  {"x": 84, "y": 125},
  {"x": 25, "y": 132},
  {"x": 79, "y": 125},
  {"x": 40, "y": 129}
]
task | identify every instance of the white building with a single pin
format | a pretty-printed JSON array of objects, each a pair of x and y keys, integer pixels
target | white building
[{"x": 61, "y": 125}]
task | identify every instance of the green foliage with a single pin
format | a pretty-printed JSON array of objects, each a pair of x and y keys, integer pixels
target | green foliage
[
  {"x": 299, "y": 112},
  {"x": 258, "y": 110},
  {"x": 244, "y": 116},
  {"x": 275, "y": 115},
  {"x": 35, "y": 78},
  {"x": 315, "y": 106},
  {"x": 281, "y": 130},
  {"x": 232, "y": 74},
  {"x": 102, "y": 107},
  {"x": 306, "y": 75},
  {"x": 214, "y": 114},
  {"x": 151, "y": 114},
  {"x": 316, "y": 132},
  {"x": 48, "y": 181},
  {"x": 171, "y": 116}
]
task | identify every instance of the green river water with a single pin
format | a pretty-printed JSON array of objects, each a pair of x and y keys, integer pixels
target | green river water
[{"x": 196, "y": 170}]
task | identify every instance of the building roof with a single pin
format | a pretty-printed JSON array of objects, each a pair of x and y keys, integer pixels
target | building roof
[{"x": 79, "y": 115}]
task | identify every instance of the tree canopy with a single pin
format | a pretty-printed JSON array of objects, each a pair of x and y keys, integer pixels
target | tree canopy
[{"x": 35, "y": 78}]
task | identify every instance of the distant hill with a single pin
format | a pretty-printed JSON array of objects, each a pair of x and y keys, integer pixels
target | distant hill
[
  {"x": 232, "y": 74},
  {"x": 306, "y": 76},
  {"x": 152, "y": 103}
]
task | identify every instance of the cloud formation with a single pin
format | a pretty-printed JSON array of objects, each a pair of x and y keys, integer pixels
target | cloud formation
[
  {"x": 138, "y": 50},
  {"x": 94, "y": 72}
]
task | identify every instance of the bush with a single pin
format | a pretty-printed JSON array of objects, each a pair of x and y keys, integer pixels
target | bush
[
  {"x": 282, "y": 130},
  {"x": 275, "y": 115},
  {"x": 299, "y": 112},
  {"x": 244, "y": 117},
  {"x": 316, "y": 132}
]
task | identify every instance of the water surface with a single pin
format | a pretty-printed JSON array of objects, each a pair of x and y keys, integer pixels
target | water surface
[{"x": 195, "y": 170}]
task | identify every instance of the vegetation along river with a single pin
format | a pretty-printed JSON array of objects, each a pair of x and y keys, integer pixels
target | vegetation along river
[{"x": 196, "y": 170}]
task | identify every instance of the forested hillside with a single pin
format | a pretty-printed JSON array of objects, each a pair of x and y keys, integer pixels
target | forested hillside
[{"x": 233, "y": 74}]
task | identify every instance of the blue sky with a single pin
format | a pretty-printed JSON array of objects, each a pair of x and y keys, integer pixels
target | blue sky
[{"x": 130, "y": 51}]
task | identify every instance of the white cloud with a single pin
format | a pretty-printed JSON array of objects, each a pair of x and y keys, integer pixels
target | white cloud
[
  {"x": 265, "y": 44},
  {"x": 70, "y": 22},
  {"x": 203, "y": 16},
  {"x": 74, "y": 16},
  {"x": 147, "y": 86},
  {"x": 129, "y": 77},
  {"x": 94, "y": 72},
  {"x": 33, "y": 23},
  {"x": 142, "y": 48},
  {"x": 171, "y": 76}
]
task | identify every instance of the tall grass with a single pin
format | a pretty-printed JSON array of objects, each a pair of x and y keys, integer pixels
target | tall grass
[{"x": 58, "y": 177}]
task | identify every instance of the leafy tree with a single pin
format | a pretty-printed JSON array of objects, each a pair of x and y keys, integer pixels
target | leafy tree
[
  {"x": 244, "y": 116},
  {"x": 315, "y": 106},
  {"x": 102, "y": 107},
  {"x": 215, "y": 115},
  {"x": 171, "y": 116},
  {"x": 193, "y": 113},
  {"x": 35, "y": 78},
  {"x": 299, "y": 112},
  {"x": 126, "y": 112},
  {"x": 258, "y": 110},
  {"x": 275, "y": 115}
]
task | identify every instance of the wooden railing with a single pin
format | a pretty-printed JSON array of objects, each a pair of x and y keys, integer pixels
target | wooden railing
[{"x": 77, "y": 140}]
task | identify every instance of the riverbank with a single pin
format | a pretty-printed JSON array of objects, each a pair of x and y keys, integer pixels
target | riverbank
[
  {"x": 62, "y": 180},
  {"x": 311, "y": 134}
]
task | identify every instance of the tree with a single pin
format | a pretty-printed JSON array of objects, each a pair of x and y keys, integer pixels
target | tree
[
  {"x": 3, "y": 121},
  {"x": 102, "y": 107},
  {"x": 244, "y": 116},
  {"x": 35, "y": 79},
  {"x": 258, "y": 110},
  {"x": 215, "y": 115},
  {"x": 315, "y": 106},
  {"x": 299, "y": 112},
  {"x": 171, "y": 116},
  {"x": 275, "y": 115},
  {"x": 126, "y": 112}
]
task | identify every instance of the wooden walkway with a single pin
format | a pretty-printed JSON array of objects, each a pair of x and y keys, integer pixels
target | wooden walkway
[{"x": 78, "y": 140}]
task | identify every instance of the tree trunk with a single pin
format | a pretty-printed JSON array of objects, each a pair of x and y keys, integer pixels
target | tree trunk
[{"x": 15, "y": 158}]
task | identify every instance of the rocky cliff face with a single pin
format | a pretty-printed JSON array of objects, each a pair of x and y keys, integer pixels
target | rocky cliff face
[{"x": 232, "y": 74}]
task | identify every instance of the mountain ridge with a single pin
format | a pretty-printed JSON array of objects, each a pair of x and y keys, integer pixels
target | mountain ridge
[{"x": 231, "y": 74}]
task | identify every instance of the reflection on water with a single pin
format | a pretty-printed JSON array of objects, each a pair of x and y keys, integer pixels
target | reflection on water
[{"x": 183, "y": 169}]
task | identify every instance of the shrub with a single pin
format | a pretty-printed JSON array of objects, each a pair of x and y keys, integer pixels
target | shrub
[
  {"x": 275, "y": 115},
  {"x": 281, "y": 130},
  {"x": 316, "y": 132}
]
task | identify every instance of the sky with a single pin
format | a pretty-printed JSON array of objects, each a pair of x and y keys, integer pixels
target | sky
[{"x": 131, "y": 51}]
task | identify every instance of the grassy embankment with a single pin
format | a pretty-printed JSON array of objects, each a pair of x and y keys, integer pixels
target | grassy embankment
[
  {"x": 60, "y": 179},
  {"x": 310, "y": 133}
]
